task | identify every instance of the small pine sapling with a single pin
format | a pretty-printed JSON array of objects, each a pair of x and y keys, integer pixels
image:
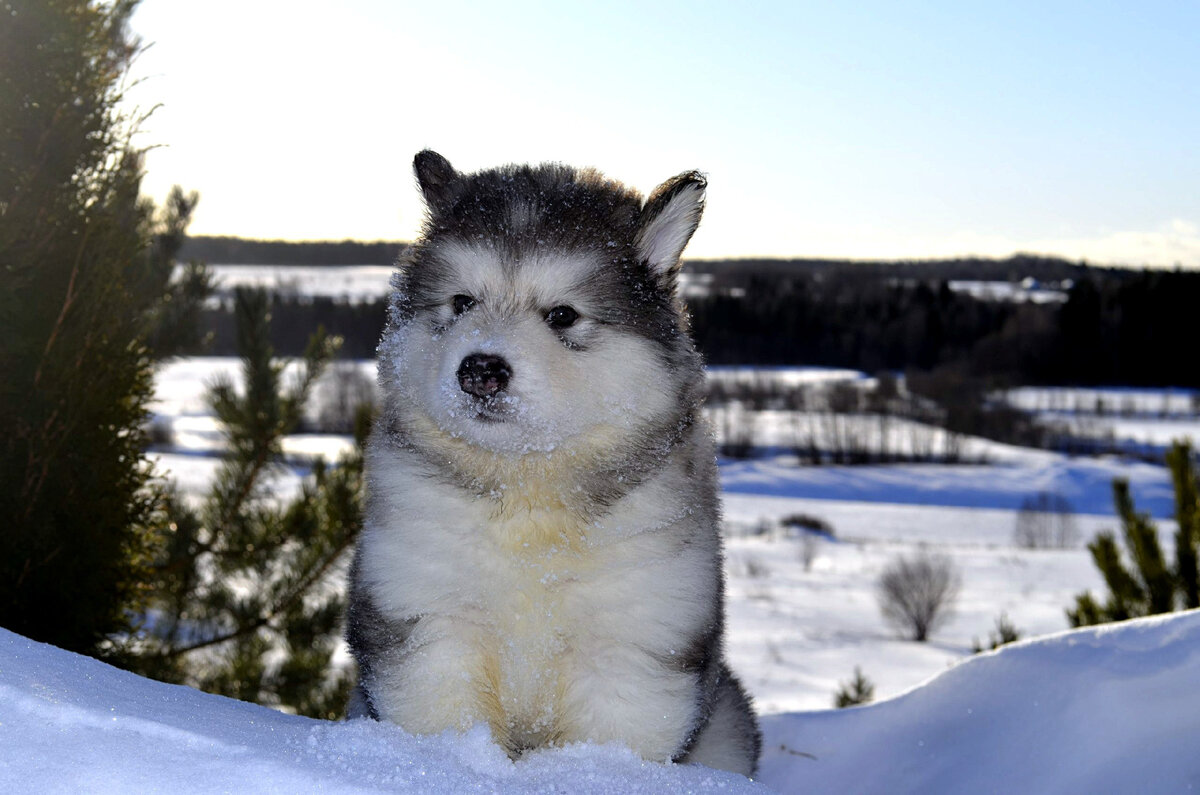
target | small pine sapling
[
  {"x": 1149, "y": 585},
  {"x": 245, "y": 599},
  {"x": 859, "y": 690},
  {"x": 1005, "y": 632}
]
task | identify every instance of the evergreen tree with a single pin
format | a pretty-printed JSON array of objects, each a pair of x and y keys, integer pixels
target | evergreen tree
[
  {"x": 244, "y": 601},
  {"x": 1187, "y": 516},
  {"x": 1149, "y": 586},
  {"x": 86, "y": 267},
  {"x": 1006, "y": 632},
  {"x": 859, "y": 690}
]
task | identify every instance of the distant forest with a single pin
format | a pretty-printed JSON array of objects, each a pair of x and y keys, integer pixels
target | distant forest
[
  {"x": 1117, "y": 326},
  {"x": 243, "y": 251},
  {"x": 240, "y": 251}
]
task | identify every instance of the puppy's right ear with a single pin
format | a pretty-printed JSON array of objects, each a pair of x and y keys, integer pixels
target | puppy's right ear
[
  {"x": 669, "y": 218},
  {"x": 437, "y": 178}
]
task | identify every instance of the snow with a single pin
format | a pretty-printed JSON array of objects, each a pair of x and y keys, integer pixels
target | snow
[
  {"x": 1027, "y": 290},
  {"x": 789, "y": 377},
  {"x": 1111, "y": 400},
  {"x": 1086, "y": 482},
  {"x": 355, "y": 283},
  {"x": 72, "y": 724},
  {"x": 1137, "y": 420},
  {"x": 795, "y": 635},
  {"x": 352, "y": 283},
  {"x": 1114, "y": 709}
]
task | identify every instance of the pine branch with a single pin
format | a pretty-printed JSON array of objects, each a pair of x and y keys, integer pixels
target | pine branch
[{"x": 280, "y": 608}]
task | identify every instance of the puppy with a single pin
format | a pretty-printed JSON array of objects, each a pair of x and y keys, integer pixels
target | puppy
[{"x": 541, "y": 550}]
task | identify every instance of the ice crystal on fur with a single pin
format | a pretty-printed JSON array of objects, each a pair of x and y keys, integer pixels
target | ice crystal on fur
[{"x": 541, "y": 551}]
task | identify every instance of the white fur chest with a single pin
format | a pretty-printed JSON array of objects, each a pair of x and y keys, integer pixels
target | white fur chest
[{"x": 527, "y": 617}]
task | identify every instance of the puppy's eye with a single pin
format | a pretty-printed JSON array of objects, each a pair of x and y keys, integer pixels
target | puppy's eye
[
  {"x": 462, "y": 303},
  {"x": 561, "y": 317}
]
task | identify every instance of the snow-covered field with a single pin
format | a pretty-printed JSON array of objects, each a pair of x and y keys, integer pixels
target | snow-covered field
[
  {"x": 1134, "y": 420},
  {"x": 802, "y": 617},
  {"x": 796, "y": 632},
  {"x": 1027, "y": 290},
  {"x": 352, "y": 283},
  {"x": 1111, "y": 710},
  {"x": 1124, "y": 401},
  {"x": 369, "y": 282}
]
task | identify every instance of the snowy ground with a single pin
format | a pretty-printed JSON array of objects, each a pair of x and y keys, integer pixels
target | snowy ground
[
  {"x": 1114, "y": 710},
  {"x": 797, "y": 635}
]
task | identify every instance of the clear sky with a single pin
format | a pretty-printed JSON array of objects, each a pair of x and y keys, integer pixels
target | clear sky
[{"x": 870, "y": 129}]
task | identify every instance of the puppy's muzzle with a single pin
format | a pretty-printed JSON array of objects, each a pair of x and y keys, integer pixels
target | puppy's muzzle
[{"x": 483, "y": 374}]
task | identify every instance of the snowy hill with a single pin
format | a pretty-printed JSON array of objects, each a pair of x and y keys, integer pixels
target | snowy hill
[{"x": 1110, "y": 710}]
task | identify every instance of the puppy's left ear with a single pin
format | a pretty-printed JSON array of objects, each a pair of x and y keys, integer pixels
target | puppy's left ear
[
  {"x": 438, "y": 180},
  {"x": 669, "y": 218}
]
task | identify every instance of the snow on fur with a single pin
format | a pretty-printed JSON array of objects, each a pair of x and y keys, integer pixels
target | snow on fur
[{"x": 1110, "y": 709}]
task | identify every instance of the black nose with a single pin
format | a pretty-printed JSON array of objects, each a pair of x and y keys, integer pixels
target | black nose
[{"x": 483, "y": 374}]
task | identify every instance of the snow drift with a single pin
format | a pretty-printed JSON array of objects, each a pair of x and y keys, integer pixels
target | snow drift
[{"x": 1112, "y": 709}]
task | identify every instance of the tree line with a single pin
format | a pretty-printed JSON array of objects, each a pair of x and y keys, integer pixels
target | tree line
[
  {"x": 225, "y": 250},
  {"x": 1115, "y": 326},
  {"x": 229, "y": 250}
]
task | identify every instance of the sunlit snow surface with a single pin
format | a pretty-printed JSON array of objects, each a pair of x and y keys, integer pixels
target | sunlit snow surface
[
  {"x": 71, "y": 724},
  {"x": 1114, "y": 710}
]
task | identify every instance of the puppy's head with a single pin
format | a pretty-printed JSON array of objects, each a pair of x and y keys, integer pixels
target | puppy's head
[{"x": 538, "y": 312}]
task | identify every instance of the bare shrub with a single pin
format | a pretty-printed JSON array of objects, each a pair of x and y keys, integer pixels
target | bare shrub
[
  {"x": 844, "y": 397},
  {"x": 735, "y": 430},
  {"x": 882, "y": 401},
  {"x": 160, "y": 432},
  {"x": 917, "y": 594},
  {"x": 1046, "y": 521},
  {"x": 756, "y": 569},
  {"x": 338, "y": 397},
  {"x": 810, "y": 529},
  {"x": 800, "y": 403},
  {"x": 805, "y": 521},
  {"x": 843, "y": 436},
  {"x": 808, "y": 550}
]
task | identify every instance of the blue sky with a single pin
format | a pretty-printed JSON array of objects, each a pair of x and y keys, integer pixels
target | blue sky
[{"x": 857, "y": 130}]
